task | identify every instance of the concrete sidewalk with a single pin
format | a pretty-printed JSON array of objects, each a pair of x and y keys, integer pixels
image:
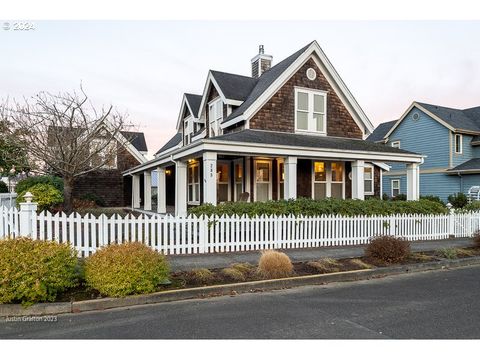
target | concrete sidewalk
[{"x": 189, "y": 262}]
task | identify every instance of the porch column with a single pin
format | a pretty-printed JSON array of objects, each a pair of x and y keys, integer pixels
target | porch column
[
  {"x": 358, "y": 185},
  {"x": 147, "y": 190},
  {"x": 181, "y": 189},
  {"x": 290, "y": 182},
  {"x": 210, "y": 178},
  {"x": 413, "y": 187},
  {"x": 135, "y": 191},
  {"x": 161, "y": 191}
]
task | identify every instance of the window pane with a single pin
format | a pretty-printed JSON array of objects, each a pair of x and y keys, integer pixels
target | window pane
[
  {"x": 262, "y": 191},
  {"x": 302, "y": 120},
  {"x": 319, "y": 168},
  {"x": 368, "y": 173},
  {"x": 190, "y": 193},
  {"x": 368, "y": 186},
  {"x": 337, "y": 191},
  {"x": 263, "y": 172},
  {"x": 219, "y": 110},
  {"x": 337, "y": 172},
  {"x": 222, "y": 173},
  {"x": 190, "y": 174},
  {"x": 239, "y": 190},
  {"x": 222, "y": 192},
  {"x": 282, "y": 171},
  {"x": 238, "y": 172},
  {"x": 319, "y": 122},
  {"x": 282, "y": 191},
  {"x": 320, "y": 191},
  {"x": 319, "y": 103},
  {"x": 302, "y": 101}
]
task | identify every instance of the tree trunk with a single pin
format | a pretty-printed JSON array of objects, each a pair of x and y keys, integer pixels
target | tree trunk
[{"x": 67, "y": 194}]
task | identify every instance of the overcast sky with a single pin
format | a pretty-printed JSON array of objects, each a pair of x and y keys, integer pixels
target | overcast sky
[{"x": 143, "y": 68}]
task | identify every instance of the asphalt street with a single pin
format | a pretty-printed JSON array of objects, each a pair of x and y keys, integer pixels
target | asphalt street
[{"x": 437, "y": 304}]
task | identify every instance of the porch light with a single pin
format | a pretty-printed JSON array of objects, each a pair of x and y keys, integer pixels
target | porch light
[{"x": 168, "y": 172}]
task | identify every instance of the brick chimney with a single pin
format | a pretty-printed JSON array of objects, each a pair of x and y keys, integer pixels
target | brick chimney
[{"x": 261, "y": 63}]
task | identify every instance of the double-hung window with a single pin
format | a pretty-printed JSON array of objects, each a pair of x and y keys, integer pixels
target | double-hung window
[
  {"x": 458, "y": 144},
  {"x": 193, "y": 183},
  {"x": 368, "y": 178},
  {"x": 215, "y": 116},
  {"x": 310, "y": 111},
  {"x": 395, "y": 187}
]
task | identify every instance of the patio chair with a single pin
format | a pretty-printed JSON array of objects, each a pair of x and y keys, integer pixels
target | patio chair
[{"x": 244, "y": 196}]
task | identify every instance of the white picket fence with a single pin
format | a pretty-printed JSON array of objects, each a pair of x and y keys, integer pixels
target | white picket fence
[
  {"x": 8, "y": 200},
  {"x": 198, "y": 235}
]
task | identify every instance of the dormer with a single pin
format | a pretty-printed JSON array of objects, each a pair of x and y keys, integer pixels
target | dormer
[{"x": 188, "y": 123}]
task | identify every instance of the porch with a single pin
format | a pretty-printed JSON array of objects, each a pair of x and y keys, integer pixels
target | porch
[{"x": 259, "y": 166}]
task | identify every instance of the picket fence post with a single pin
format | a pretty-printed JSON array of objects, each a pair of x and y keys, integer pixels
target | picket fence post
[
  {"x": 451, "y": 221},
  {"x": 27, "y": 215}
]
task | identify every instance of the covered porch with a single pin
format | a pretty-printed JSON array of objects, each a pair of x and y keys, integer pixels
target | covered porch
[{"x": 218, "y": 170}]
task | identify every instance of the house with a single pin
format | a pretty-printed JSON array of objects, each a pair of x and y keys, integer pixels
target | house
[
  {"x": 450, "y": 139},
  {"x": 289, "y": 130},
  {"x": 108, "y": 182}
]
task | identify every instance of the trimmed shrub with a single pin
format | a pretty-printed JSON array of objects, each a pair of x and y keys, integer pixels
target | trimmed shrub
[
  {"x": 388, "y": 249},
  {"x": 94, "y": 198},
  {"x": 310, "y": 207},
  {"x": 33, "y": 270},
  {"x": 199, "y": 277},
  {"x": 400, "y": 197},
  {"x": 476, "y": 238},
  {"x": 45, "y": 195},
  {"x": 3, "y": 188},
  {"x": 458, "y": 200},
  {"x": 473, "y": 206},
  {"x": 274, "y": 264},
  {"x": 433, "y": 198},
  {"x": 25, "y": 184},
  {"x": 124, "y": 269}
]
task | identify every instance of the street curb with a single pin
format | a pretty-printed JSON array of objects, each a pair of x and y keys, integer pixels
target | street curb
[{"x": 227, "y": 289}]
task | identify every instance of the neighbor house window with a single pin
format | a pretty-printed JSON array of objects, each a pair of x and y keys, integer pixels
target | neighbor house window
[
  {"x": 215, "y": 116},
  {"x": 310, "y": 110},
  {"x": 396, "y": 144},
  {"x": 223, "y": 188},
  {"x": 368, "y": 177},
  {"x": 458, "y": 144},
  {"x": 193, "y": 183},
  {"x": 395, "y": 187},
  {"x": 104, "y": 156},
  {"x": 263, "y": 185}
]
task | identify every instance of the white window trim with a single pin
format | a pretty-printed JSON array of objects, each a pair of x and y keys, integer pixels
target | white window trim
[
  {"x": 311, "y": 121},
  {"x": 235, "y": 163},
  {"x": 229, "y": 181},
  {"x": 458, "y": 136},
  {"x": 280, "y": 182},
  {"x": 328, "y": 178},
  {"x": 392, "y": 187},
  {"x": 218, "y": 121},
  {"x": 269, "y": 177},
  {"x": 368, "y": 166},
  {"x": 191, "y": 202},
  {"x": 396, "y": 144}
]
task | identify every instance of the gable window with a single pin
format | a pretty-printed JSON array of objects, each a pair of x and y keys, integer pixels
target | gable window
[
  {"x": 310, "y": 111},
  {"x": 368, "y": 176},
  {"x": 395, "y": 187},
  {"x": 458, "y": 144},
  {"x": 193, "y": 183},
  {"x": 215, "y": 117},
  {"x": 396, "y": 144}
]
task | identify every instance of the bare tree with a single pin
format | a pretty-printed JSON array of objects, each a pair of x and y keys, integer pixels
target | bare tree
[{"x": 66, "y": 135}]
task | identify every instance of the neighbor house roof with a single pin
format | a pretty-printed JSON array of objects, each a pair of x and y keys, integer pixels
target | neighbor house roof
[
  {"x": 137, "y": 139},
  {"x": 301, "y": 140},
  {"x": 174, "y": 141},
  {"x": 468, "y": 119},
  {"x": 381, "y": 130},
  {"x": 471, "y": 165}
]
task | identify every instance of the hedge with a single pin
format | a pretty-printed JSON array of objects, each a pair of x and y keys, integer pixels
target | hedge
[
  {"x": 309, "y": 207},
  {"x": 25, "y": 184},
  {"x": 45, "y": 195}
]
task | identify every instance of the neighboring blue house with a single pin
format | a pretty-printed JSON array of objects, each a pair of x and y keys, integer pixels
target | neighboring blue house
[{"x": 450, "y": 139}]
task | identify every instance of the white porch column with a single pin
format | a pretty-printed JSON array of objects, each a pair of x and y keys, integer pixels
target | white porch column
[
  {"x": 210, "y": 178},
  {"x": 358, "y": 185},
  {"x": 135, "y": 191},
  {"x": 413, "y": 182},
  {"x": 181, "y": 189},
  {"x": 290, "y": 182},
  {"x": 161, "y": 191},
  {"x": 147, "y": 190}
]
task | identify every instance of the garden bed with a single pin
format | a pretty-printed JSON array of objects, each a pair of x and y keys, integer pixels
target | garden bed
[{"x": 217, "y": 276}]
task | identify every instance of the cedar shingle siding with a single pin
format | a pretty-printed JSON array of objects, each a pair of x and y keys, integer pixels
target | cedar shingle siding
[{"x": 278, "y": 114}]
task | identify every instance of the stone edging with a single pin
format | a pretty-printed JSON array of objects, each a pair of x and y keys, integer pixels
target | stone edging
[{"x": 227, "y": 289}]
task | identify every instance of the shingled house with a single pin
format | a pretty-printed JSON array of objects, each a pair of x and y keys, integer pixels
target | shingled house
[{"x": 287, "y": 131}]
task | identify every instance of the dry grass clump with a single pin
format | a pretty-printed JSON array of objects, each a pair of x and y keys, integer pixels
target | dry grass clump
[
  {"x": 359, "y": 263},
  {"x": 200, "y": 276},
  {"x": 325, "y": 265},
  {"x": 420, "y": 257},
  {"x": 388, "y": 249},
  {"x": 233, "y": 274},
  {"x": 274, "y": 264},
  {"x": 465, "y": 252},
  {"x": 244, "y": 268}
]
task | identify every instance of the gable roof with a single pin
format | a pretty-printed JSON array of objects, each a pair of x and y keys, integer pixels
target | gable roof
[
  {"x": 457, "y": 120},
  {"x": 194, "y": 103},
  {"x": 271, "y": 80},
  {"x": 380, "y": 131},
  {"x": 233, "y": 86},
  {"x": 137, "y": 139},
  {"x": 174, "y": 141}
]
